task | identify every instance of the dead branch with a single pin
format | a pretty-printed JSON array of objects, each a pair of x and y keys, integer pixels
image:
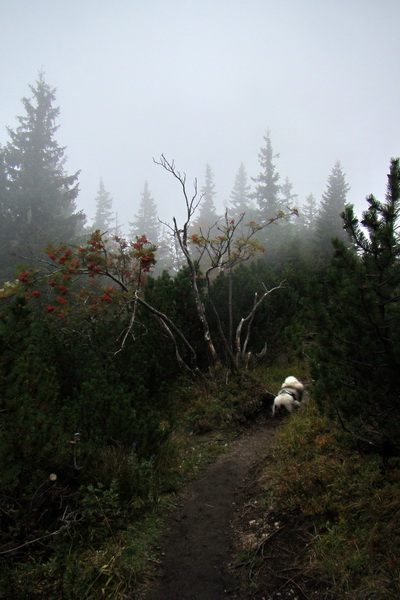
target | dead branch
[
  {"x": 181, "y": 234},
  {"x": 241, "y": 350},
  {"x": 185, "y": 367},
  {"x": 39, "y": 539},
  {"x": 191, "y": 202},
  {"x": 175, "y": 333}
]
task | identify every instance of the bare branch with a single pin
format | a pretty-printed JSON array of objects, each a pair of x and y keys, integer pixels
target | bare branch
[
  {"x": 170, "y": 326},
  {"x": 241, "y": 350},
  {"x": 39, "y": 539},
  {"x": 192, "y": 372},
  {"x": 191, "y": 202}
]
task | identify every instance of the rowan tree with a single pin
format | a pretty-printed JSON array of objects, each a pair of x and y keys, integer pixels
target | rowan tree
[{"x": 76, "y": 286}]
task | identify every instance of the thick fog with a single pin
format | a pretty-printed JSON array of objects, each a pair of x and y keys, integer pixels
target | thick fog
[{"x": 202, "y": 81}]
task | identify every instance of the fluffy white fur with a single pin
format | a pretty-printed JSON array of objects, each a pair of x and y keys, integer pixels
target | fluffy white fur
[{"x": 290, "y": 395}]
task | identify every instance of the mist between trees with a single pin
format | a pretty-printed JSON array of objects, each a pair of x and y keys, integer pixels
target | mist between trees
[
  {"x": 39, "y": 200},
  {"x": 98, "y": 327}
]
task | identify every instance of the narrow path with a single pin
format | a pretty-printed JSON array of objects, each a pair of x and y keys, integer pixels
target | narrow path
[{"x": 199, "y": 546}]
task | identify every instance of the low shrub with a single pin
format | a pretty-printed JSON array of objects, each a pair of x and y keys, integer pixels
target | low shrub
[{"x": 350, "y": 500}]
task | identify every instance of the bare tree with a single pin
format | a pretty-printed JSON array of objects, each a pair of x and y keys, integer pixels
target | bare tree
[{"x": 234, "y": 243}]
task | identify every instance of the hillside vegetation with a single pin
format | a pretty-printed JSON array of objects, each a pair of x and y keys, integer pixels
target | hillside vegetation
[
  {"x": 323, "y": 521},
  {"x": 118, "y": 386}
]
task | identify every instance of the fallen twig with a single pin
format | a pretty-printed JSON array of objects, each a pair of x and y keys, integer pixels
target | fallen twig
[
  {"x": 261, "y": 545},
  {"x": 43, "y": 537},
  {"x": 288, "y": 580}
]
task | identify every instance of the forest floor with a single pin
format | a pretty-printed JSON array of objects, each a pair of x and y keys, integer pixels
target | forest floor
[{"x": 201, "y": 558}]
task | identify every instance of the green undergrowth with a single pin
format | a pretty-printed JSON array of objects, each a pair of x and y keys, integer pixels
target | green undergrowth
[
  {"x": 206, "y": 419},
  {"x": 349, "y": 501},
  {"x": 105, "y": 542},
  {"x": 109, "y": 567}
]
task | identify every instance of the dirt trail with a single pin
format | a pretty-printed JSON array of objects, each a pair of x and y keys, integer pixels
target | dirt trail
[{"x": 199, "y": 545}]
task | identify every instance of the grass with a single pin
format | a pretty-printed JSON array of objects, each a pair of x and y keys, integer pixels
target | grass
[
  {"x": 349, "y": 501},
  {"x": 112, "y": 569}
]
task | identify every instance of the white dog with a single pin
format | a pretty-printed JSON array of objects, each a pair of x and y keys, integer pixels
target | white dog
[{"x": 290, "y": 395}]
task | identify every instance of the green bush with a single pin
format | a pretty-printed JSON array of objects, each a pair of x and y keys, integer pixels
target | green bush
[{"x": 356, "y": 357}]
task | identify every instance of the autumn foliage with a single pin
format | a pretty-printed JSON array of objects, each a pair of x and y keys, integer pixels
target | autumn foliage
[{"x": 82, "y": 282}]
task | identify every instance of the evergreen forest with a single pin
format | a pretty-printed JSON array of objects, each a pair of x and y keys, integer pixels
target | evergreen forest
[{"x": 120, "y": 349}]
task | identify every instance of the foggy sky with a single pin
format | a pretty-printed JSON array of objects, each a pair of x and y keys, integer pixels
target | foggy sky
[{"x": 202, "y": 81}]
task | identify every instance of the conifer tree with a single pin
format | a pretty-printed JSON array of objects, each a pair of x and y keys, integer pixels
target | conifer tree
[
  {"x": 289, "y": 201},
  {"x": 208, "y": 193},
  {"x": 5, "y": 241},
  {"x": 267, "y": 192},
  {"x": 207, "y": 216},
  {"x": 206, "y": 223},
  {"x": 146, "y": 220},
  {"x": 40, "y": 195},
  {"x": 117, "y": 226},
  {"x": 271, "y": 204},
  {"x": 104, "y": 218},
  {"x": 288, "y": 198},
  {"x": 357, "y": 356},
  {"x": 304, "y": 224},
  {"x": 329, "y": 224},
  {"x": 309, "y": 212},
  {"x": 207, "y": 213},
  {"x": 240, "y": 196},
  {"x": 3, "y": 180},
  {"x": 169, "y": 257}
]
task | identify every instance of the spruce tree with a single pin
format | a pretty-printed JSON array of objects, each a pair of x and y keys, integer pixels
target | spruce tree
[
  {"x": 309, "y": 212},
  {"x": 104, "y": 218},
  {"x": 207, "y": 216},
  {"x": 240, "y": 196},
  {"x": 40, "y": 195},
  {"x": 357, "y": 355},
  {"x": 329, "y": 224},
  {"x": 288, "y": 197},
  {"x": 267, "y": 191},
  {"x": 5, "y": 222},
  {"x": 289, "y": 201},
  {"x": 268, "y": 195},
  {"x": 3, "y": 182},
  {"x": 146, "y": 220}
]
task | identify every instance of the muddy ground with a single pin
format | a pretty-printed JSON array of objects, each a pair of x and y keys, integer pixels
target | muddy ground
[{"x": 217, "y": 514}]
